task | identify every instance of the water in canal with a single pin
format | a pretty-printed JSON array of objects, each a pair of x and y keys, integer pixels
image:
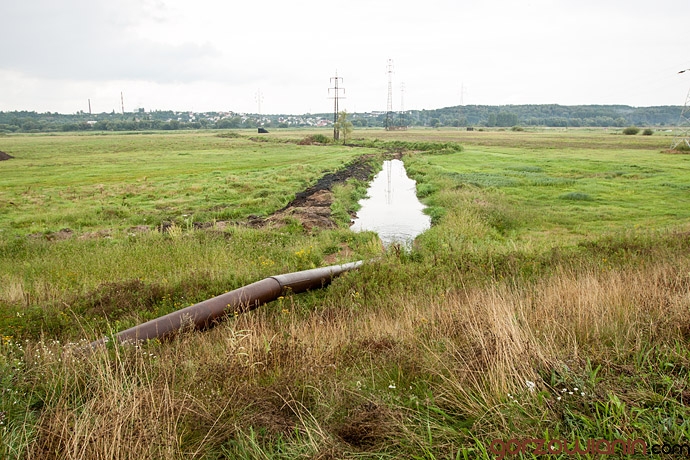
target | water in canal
[{"x": 391, "y": 208}]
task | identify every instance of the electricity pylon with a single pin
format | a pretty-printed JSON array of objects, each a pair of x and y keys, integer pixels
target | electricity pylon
[
  {"x": 336, "y": 97},
  {"x": 389, "y": 105},
  {"x": 682, "y": 139}
]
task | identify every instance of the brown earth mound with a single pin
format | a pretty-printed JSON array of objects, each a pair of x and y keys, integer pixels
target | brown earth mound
[
  {"x": 5, "y": 156},
  {"x": 312, "y": 207}
]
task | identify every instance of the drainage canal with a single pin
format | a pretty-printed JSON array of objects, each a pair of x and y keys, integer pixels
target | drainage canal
[{"x": 391, "y": 208}]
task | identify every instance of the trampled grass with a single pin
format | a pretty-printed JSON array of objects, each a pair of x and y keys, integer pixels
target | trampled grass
[{"x": 548, "y": 300}]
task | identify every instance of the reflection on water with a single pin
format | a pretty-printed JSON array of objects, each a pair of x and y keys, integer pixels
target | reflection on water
[{"x": 391, "y": 208}]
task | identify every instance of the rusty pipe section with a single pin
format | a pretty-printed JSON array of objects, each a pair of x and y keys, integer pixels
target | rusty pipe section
[{"x": 205, "y": 314}]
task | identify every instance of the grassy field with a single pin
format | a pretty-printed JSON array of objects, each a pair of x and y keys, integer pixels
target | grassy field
[
  {"x": 93, "y": 181},
  {"x": 549, "y": 300}
]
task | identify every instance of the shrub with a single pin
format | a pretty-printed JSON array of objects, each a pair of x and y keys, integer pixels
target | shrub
[
  {"x": 631, "y": 130},
  {"x": 647, "y": 132}
]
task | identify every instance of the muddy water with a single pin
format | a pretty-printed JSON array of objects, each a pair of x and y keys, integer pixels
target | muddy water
[{"x": 391, "y": 208}]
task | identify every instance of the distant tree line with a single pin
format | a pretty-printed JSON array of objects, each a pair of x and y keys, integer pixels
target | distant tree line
[
  {"x": 548, "y": 115},
  {"x": 551, "y": 115}
]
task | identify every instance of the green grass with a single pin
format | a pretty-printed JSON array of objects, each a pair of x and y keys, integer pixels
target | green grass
[
  {"x": 556, "y": 257},
  {"x": 91, "y": 181},
  {"x": 566, "y": 194}
]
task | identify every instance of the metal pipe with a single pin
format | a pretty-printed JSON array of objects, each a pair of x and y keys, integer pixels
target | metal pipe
[
  {"x": 205, "y": 314},
  {"x": 315, "y": 278}
]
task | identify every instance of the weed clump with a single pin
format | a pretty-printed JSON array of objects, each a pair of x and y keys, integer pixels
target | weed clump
[
  {"x": 576, "y": 196},
  {"x": 229, "y": 135},
  {"x": 683, "y": 147},
  {"x": 313, "y": 139},
  {"x": 402, "y": 146}
]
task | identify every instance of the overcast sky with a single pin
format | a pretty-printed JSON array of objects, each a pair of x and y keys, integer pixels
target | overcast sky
[{"x": 211, "y": 55}]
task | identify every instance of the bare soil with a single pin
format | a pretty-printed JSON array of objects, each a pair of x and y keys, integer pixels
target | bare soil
[{"x": 5, "y": 156}]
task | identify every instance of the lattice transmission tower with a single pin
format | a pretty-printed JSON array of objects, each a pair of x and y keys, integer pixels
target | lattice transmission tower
[
  {"x": 682, "y": 139},
  {"x": 336, "y": 97},
  {"x": 389, "y": 105},
  {"x": 403, "y": 120}
]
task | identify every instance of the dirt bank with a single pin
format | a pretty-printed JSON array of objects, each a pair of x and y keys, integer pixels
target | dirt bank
[{"x": 312, "y": 207}]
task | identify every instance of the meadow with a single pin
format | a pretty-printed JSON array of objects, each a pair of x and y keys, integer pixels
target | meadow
[{"x": 549, "y": 300}]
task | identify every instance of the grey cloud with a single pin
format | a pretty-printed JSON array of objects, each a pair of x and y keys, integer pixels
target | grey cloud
[{"x": 81, "y": 40}]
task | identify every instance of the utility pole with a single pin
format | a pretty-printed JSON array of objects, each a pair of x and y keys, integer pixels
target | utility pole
[
  {"x": 336, "y": 96},
  {"x": 389, "y": 105},
  {"x": 122, "y": 101},
  {"x": 682, "y": 139}
]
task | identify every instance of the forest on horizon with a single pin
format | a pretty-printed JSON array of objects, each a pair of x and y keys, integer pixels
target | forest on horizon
[{"x": 546, "y": 115}]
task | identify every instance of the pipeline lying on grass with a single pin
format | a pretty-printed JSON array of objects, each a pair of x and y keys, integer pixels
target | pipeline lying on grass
[{"x": 204, "y": 314}]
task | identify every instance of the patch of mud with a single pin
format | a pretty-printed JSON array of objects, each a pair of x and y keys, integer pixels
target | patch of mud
[
  {"x": 367, "y": 426},
  {"x": 311, "y": 211},
  {"x": 344, "y": 252},
  {"x": 5, "y": 156},
  {"x": 96, "y": 235},
  {"x": 139, "y": 229},
  {"x": 60, "y": 235}
]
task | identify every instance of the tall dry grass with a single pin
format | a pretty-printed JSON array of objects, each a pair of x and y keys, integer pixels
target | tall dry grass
[
  {"x": 338, "y": 379},
  {"x": 497, "y": 340}
]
